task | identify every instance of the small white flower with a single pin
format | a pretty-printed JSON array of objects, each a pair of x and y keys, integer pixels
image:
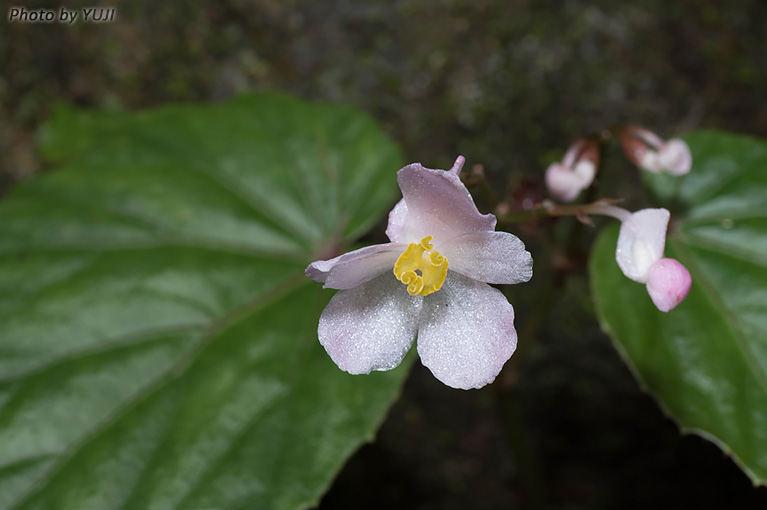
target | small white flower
[
  {"x": 430, "y": 280},
  {"x": 639, "y": 254}
]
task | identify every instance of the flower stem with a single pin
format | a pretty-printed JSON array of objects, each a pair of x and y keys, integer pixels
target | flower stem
[{"x": 547, "y": 209}]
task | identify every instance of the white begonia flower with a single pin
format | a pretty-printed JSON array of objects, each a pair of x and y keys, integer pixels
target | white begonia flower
[
  {"x": 641, "y": 242},
  {"x": 430, "y": 280}
]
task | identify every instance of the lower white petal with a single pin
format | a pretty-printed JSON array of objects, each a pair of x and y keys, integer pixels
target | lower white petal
[
  {"x": 466, "y": 333},
  {"x": 370, "y": 327}
]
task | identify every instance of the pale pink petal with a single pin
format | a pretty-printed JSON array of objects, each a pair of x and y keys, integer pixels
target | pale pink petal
[
  {"x": 466, "y": 333},
  {"x": 562, "y": 183},
  {"x": 490, "y": 257},
  {"x": 396, "y": 230},
  {"x": 586, "y": 171},
  {"x": 668, "y": 283},
  {"x": 650, "y": 160},
  {"x": 641, "y": 241},
  {"x": 356, "y": 267},
  {"x": 370, "y": 327},
  {"x": 438, "y": 204},
  {"x": 675, "y": 157}
]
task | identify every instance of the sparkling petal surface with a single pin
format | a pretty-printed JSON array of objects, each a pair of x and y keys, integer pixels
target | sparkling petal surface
[
  {"x": 396, "y": 229},
  {"x": 675, "y": 157},
  {"x": 356, "y": 267},
  {"x": 668, "y": 283},
  {"x": 490, "y": 257},
  {"x": 370, "y": 327},
  {"x": 467, "y": 333},
  {"x": 438, "y": 204},
  {"x": 641, "y": 241}
]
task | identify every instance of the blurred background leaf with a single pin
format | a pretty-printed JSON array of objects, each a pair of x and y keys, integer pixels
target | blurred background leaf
[
  {"x": 157, "y": 334},
  {"x": 707, "y": 359}
]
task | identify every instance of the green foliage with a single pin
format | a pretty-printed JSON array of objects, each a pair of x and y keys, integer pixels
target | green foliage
[
  {"x": 158, "y": 343},
  {"x": 706, "y": 360}
]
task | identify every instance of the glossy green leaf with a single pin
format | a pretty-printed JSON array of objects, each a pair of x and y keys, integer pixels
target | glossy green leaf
[
  {"x": 158, "y": 344},
  {"x": 706, "y": 360}
]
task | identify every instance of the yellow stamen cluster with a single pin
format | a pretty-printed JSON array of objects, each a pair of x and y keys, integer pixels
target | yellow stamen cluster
[{"x": 421, "y": 269}]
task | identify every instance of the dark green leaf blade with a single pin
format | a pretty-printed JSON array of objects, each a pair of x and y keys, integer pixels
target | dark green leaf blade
[{"x": 157, "y": 336}]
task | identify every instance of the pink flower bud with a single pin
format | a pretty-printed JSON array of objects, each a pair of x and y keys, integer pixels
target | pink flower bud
[
  {"x": 562, "y": 182},
  {"x": 650, "y": 152},
  {"x": 674, "y": 156},
  {"x": 668, "y": 283},
  {"x": 576, "y": 171}
]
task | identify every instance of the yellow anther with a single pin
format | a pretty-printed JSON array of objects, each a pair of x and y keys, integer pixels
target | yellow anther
[
  {"x": 421, "y": 269},
  {"x": 433, "y": 271},
  {"x": 413, "y": 281},
  {"x": 409, "y": 261}
]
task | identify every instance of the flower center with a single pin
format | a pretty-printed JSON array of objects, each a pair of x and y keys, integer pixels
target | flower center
[{"x": 420, "y": 268}]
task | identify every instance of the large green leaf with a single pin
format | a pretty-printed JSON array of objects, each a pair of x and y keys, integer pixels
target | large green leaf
[
  {"x": 158, "y": 344},
  {"x": 706, "y": 360}
]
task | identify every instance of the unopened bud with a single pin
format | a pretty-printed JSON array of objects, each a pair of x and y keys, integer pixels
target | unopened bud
[
  {"x": 562, "y": 182},
  {"x": 566, "y": 179},
  {"x": 650, "y": 152},
  {"x": 674, "y": 156},
  {"x": 668, "y": 283}
]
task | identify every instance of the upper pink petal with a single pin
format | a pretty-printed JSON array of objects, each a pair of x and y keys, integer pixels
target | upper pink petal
[
  {"x": 466, "y": 332},
  {"x": 490, "y": 257},
  {"x": 356, "y": 267},
  {"x": 641, "y": 241},
  {"x": 370, "y": 327},
  {"x": 396, "y": 230},
  {"x": 438, "y": 204}
]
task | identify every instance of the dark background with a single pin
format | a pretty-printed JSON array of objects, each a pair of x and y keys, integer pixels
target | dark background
[{"x": 508, "y": 84}]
